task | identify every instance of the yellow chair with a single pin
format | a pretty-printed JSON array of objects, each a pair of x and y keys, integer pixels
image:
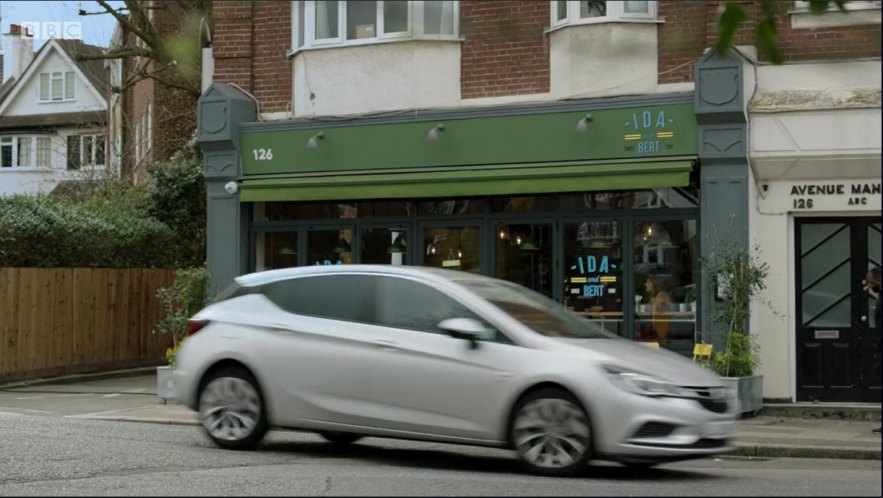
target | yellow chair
[{"x": 702, "y": 352}]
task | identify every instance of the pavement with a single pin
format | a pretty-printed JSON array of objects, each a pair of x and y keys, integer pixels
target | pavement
[{"x": 131, "y": 396}]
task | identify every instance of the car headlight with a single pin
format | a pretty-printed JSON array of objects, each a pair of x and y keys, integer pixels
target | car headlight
[{"x": 643, "y": 384}]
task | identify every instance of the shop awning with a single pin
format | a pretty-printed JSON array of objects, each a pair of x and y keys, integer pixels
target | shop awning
[{"x": 532, "y": 179}]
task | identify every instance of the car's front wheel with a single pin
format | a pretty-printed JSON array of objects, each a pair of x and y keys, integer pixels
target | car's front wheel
[
  {"x": 232, "y": 410},
  {"x": 551, "y": 432}
]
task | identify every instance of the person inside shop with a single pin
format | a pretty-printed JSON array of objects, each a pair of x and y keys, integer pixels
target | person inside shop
[
  {"x": 873, "y": 281},
  {"x": 660, "y": 304}
]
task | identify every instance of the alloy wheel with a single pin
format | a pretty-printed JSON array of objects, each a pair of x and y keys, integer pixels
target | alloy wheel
[
  {"x": 551, "y": 434},
  {"x": 230, "y": 409}
]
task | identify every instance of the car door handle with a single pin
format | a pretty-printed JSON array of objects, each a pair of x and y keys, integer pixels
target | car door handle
[{"x": 382, "y": 344}]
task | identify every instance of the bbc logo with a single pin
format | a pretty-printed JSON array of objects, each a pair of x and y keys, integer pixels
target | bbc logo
[{"x": 45, "y": 30}]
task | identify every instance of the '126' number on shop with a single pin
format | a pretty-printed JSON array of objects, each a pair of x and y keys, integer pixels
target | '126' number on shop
[{"x": 262, "y": 154}]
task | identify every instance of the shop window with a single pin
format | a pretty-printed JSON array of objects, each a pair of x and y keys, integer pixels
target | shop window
[
  {"x": 387, "y": 246},
  {"x": 275, "y": 250},
  {"x": 456, "y": 248},
  {"x": 665, "y": 254},
  {"x": 330, "y": 247},
  {"x": 328, "y": 23},
  {"x": 524, "y": 255},
  {"x": 593, "y": 272},
  {"x": 662, "y": 198},
  {"x": 450, "y": 207},
  {"x": 570, "y": 12}
]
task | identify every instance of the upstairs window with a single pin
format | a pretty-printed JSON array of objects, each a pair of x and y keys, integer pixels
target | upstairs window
[
  {"x": 56, "y": 87},
  {"x": 592, "y": 11},
  {"x": 323, "y": 23}
]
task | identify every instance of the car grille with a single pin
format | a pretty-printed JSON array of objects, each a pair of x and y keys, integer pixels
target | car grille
[
  {"x": 699, "y": 444},
  {"x": 654, "y": 429},
  {"x": 710, "y": 399}
]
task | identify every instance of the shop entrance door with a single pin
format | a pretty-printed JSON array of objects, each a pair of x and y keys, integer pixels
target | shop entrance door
[{"x": 837, "y": 346}]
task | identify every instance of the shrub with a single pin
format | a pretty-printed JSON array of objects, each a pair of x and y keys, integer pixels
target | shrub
[
  {"x": 38, "y": 231},
  {"x": 183, "y": 299}
]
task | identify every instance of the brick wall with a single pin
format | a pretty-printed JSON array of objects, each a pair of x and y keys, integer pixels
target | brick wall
[
  {"x": 847, "y": 42},
  {"x": 506, "y": 51},
  {"x": 251, "y": 40},
  {"x": 232, "y": 43},
  {"x": 691, "y": 26}
]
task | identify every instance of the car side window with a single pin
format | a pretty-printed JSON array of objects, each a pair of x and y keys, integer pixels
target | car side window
[
  {"x": 407, "y": 304},
  {"x": 339, "y": 297}
]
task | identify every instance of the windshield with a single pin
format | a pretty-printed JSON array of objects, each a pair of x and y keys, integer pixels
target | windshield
[{"x": 541, "y": 314}]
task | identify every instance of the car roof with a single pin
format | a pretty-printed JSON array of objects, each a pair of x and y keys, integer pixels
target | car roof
[{"x": 424, "y": 272}]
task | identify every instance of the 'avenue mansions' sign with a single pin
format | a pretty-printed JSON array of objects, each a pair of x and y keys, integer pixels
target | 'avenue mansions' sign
[{"x": 858, "y": 195}]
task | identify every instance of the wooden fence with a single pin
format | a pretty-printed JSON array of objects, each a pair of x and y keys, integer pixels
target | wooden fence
[{"x": 59, "y": 321}]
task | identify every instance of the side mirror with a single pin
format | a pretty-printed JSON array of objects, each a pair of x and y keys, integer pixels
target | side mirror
[{"x": 464, "y": 328}]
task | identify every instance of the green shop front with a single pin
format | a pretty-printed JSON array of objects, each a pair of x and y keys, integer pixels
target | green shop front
[{"x": 595, "y": 204}]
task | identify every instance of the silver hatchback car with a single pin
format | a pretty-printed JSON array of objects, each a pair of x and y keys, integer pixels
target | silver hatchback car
[{"x": 441, "y": 355}]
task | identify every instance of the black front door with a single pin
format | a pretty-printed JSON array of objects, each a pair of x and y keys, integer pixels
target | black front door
[{"x": 837, "y": 345}]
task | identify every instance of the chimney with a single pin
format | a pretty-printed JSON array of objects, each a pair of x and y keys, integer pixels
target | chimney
[{"x": 21, "y": 50}]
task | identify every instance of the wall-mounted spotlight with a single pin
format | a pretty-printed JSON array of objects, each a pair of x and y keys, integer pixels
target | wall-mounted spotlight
[
  {"x": 313, "y": 142},
  {"x": 583, "y": 124},
  {"x": 433, "y": 133}
]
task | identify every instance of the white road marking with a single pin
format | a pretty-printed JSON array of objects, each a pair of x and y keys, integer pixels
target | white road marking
[
  {"x": 87, "y": 415},
  {"x": 48, "y": 396},
  {"x": 24, "y": 410},
  {"x": 139, "y": 390},
  {"x": 114, "y": 395}
]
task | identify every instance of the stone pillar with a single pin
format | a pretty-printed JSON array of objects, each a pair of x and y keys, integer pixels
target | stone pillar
[
  {"x": 724, "y": 172},
  {"x": 221, "y": 109}
]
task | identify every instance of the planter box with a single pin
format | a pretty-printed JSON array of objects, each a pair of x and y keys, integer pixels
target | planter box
[
  {"x": 749, "y": 393},
  {"x": 165, "y": 383}
]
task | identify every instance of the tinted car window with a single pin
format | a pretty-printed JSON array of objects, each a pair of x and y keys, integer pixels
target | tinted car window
[
  {"x": 536, "y": 311},
  {"x": 407, "y": 304},
  {"x": 340, "y": 297}
]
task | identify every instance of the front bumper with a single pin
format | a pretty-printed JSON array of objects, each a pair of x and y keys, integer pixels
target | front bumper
[{"x": 647, "y": 429}]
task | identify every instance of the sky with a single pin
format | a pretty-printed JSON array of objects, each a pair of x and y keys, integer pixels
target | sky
[{"x": 95, "y": 30}]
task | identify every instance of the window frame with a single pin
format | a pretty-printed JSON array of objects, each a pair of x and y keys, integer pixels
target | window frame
[
  {"x": 803, "y": 6},
  {"x": 14, "y": 142},
  {"x": 65, "y": 79},
  {"x": 306, "y": 27},
  {"x": 615, "y": 13}
]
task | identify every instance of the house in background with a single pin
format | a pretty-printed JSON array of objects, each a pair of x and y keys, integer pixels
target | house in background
[{"x": 53, "y": 115}]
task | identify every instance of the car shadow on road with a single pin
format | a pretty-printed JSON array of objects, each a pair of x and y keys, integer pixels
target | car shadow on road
[{"x": 435, "y": 459}]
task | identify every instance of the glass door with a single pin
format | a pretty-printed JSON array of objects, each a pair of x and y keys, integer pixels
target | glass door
[
  {"x": 523, "y": 255},
  {"x": 593, "y": 276}
]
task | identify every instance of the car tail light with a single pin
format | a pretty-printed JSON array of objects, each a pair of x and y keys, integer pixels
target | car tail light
[{"x": 194, "y": 326}]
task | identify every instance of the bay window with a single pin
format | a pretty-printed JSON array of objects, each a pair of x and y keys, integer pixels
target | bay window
[
  {"x": 590, "y": 11},
  {"x": 322, "y": 23}
]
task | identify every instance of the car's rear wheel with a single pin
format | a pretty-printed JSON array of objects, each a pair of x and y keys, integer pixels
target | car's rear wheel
[
  {"x": 551, "y": 432},
  {"x": 340, "y": 437},
  {"x": 232, "y": 410}
]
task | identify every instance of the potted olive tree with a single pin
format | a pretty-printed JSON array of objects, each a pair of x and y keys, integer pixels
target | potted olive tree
[
  {"x": 186, "y": 296},
  {"x": 738, "y": 277}
]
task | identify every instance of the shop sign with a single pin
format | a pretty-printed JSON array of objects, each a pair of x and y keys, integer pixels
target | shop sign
[
  {"x": 858, "y": 195},
  {"x": 649, "y": 132},
  {"x": 594, "y": 276}
]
